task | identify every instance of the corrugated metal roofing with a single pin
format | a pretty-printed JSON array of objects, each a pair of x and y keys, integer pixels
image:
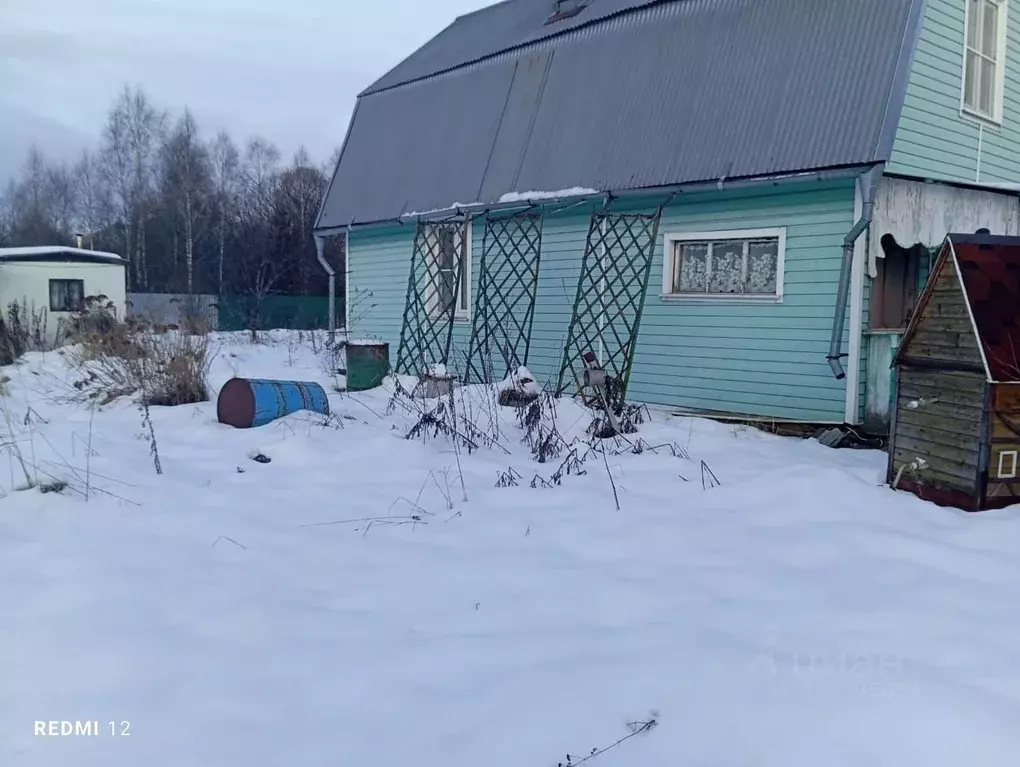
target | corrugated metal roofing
[
  {"x": 990, "y": 268},
  {"x": 493, "y": 30},
  {"x": 628, "y": 94}
]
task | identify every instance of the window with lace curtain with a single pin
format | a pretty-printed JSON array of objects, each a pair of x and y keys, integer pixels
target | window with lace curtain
[
  {"x": 746, "y": 264},
  {"x": 984, "y": 58}
]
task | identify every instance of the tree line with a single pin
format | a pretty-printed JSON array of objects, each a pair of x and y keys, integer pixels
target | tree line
[{"x": 189, "y": 213}]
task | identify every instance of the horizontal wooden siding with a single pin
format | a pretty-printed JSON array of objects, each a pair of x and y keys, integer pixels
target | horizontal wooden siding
[
  {"x": 933, "y": 139},
  {"x": 944, "y": 331},
  {"x": 939, "y": 420},
  {"x": 764, "y": 359}
]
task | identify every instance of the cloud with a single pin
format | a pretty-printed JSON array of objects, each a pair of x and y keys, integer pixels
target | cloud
[
  {"x": 20, "y": 129},
  {"x": 289, "y": 72}
]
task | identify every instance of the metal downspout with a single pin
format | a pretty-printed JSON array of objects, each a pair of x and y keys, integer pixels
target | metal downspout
[
  {"x": 868, "y": 182},
  {"x": 320, "y": 253}
]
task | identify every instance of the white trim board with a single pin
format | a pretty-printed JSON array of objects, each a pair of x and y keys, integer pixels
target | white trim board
[
  {"x": 723, "y": 234},
  {"x": 347, "y": 280},
  {"x": 1011, "y": 474},
  {"x": 853, "y": 360},
  {"x": 465, "y": 313}
]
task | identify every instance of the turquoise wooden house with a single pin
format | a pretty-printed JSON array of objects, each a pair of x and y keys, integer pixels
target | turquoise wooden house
[{"x": 731, "y": 203}]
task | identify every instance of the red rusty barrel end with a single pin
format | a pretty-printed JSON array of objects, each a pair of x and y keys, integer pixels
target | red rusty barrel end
[{"x": 235, "y": 405}]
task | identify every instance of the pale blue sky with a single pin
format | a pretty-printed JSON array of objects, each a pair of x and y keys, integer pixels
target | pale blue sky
[{"x": 288, "y": 71}]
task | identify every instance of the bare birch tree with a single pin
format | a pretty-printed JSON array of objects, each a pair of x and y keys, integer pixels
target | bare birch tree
[
  {"x": 185, "y": 214},
  {"x": 300, "y": 192},
  {"x": 34, "y": 211},
  {"x": 117, "y": 172},
  {"x": 225, "y": 161},
  {"x": 131, "y": 140},
  {"x": 146, "y": 125},
  {"x": 187, "y": 182},
  {"x": 91, "y": 196},
  {"x": 62, "y": 193},
  {"x": 7, "y": 214},
  {"x": 258, "y": 276}
]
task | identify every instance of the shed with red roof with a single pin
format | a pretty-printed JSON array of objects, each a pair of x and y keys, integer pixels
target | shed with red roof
[{"x": 955, "y": 431}]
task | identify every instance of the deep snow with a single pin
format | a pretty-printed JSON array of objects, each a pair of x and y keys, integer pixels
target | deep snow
[{"x": 798, "y": 614}]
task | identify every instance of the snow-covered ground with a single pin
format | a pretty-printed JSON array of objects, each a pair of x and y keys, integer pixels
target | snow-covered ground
[{"x": 798, "y": 614}]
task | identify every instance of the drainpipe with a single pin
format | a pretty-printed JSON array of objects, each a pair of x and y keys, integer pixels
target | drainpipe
[
  {"x": 868, "y": 182},
  {"x": 320, "y": 252}
]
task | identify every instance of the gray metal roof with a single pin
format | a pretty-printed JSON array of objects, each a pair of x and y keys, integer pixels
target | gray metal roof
[{"x": 628, "y": 94}]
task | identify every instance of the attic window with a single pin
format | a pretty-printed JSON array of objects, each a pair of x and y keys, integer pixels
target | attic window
[
  {"x": 566, "y": 9},
  {"x": 984, "y": 58}
]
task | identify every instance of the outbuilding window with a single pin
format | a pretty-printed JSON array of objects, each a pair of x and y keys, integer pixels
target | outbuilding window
[
  {"x": 745, "y": 264},
  {"x": 984, "y": 58},
  {"x": 450, "y": 249},
  {"x": 1007, "y": 464},
  {"x": 67, "y": 295}
]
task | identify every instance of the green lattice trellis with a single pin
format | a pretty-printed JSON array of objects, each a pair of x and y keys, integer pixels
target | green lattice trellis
[
  {"x": 505, "y": 304},
  {"x": 433, "y": 288},
  {"x": 610, "y": 297}
]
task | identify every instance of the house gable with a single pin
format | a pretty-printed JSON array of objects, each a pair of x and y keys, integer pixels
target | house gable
[{"x": 937, "y": 138}]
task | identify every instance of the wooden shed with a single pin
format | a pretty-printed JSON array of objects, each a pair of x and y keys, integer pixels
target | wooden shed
[{"x": 955, "y": 430}]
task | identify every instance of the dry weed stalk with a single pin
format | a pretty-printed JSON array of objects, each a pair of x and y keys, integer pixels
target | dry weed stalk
[{"x": 164, "y": 368}]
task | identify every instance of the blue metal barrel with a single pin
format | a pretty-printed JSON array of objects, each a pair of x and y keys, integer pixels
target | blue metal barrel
[{"x": 248, "y": 402}]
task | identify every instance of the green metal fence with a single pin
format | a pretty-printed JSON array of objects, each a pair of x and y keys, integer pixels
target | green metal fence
[{"x": 272, "y": 312}]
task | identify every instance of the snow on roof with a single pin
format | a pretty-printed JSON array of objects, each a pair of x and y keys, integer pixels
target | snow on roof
[
  {"x": 509, "y": 197},
  {"x": 55, "y": 251},
  {"x": 432, "y": 211},
  {"x": 574, "y": 191}
]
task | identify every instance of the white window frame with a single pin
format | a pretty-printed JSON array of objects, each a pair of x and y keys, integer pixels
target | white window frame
[
  {"x": 1011, "y": 474},
  {"x": 669, "y": 255},
  {"x": 998, "y": 94},
  {"x": 463, "y": 311}
]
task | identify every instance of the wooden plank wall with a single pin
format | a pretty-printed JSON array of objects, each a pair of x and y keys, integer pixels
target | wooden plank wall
[
  {"x": 939, "y": 419},
  {"x": 944, "y": 330},
  {"x": 940, "y": 403},
  {"x": 1003, "y": 438}
]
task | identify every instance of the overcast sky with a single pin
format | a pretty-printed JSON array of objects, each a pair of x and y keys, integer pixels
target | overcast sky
[{"x": 288, "y": 70}]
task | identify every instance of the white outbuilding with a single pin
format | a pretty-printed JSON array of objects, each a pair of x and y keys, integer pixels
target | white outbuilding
[{"x": 54, "y": 281}]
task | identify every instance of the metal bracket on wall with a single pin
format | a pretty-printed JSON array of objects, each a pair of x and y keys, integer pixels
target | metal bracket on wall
[
  {"x": 505, "y": 304},
  {"x": 433, "y": 289},
  {"x": 610, "y": 299}
]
